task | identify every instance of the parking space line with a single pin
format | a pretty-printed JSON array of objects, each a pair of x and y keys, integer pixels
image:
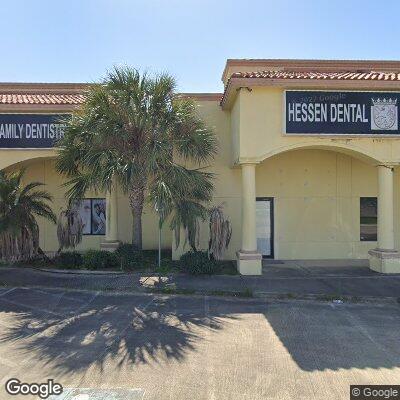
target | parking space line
[
  {"x": 8, "y": 291},
  {"x": 88, "y": 302},
  {"x": 15, "y": 303}
]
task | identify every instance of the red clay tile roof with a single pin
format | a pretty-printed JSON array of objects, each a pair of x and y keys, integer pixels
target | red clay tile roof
[
  {"x": 51, "y": 99},
  {"x": 346, "y": 75},
  {"x": 75, "y": 98}
]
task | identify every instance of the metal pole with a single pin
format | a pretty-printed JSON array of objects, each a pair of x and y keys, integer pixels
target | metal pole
[{"x": 159, "y": 245}]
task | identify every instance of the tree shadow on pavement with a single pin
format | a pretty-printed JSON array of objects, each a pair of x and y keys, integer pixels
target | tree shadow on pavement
[
  {"x": 109, "y": 329},
  {"x": 76, "y": 332}
]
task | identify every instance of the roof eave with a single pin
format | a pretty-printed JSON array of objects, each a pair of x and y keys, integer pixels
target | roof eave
[
  {"x": 38, "y": 108},
  {"x": 236, "y": 83},
  {"x": 48, "y": 88},
  {"x": 201, "y": 96},
  {"x": 332, "y": 64}
]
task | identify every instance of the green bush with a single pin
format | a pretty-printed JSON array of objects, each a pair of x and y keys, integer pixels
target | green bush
[
  {"x": 198, "y": 263},
  {"x": 129, "y": 257},
  {"x": 100, "y": 259},
  {"x": 69, "y": 260}
]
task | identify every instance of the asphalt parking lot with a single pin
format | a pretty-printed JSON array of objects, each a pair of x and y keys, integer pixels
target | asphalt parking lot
[{"x": 141, "y": 346}]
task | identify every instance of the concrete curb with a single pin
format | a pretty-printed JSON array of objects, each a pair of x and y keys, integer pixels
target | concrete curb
[
  {"x": 131, "y": 282},
  {"x": 242, "y": 294},
  {"x": 80, "y": 272},
  {"x": 231, "y": 295},
  {"x": 337, "y": 299},
  {"x": 66, "y": 271}
]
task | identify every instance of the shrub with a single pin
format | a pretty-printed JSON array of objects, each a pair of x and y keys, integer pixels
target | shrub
[
  {"x": 129, "y": 256},
  {"x": 69, "y": 260},
  {"x": 197, "y": 263},
  {"x": 99, "y": 259}
]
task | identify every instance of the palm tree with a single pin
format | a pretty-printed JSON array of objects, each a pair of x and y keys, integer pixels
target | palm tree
[
  {"x": 19, "y": 207},
  {"x": 134, "y": 130}
]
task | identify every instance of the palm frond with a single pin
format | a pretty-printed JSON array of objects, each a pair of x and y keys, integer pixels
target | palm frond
[
  {"x": 130, "y": 129},
  {"x": 19, "y": 207},
  {"x": 220, "y": 232}
]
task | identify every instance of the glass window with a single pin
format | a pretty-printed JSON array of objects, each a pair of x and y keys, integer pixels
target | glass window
[
  {"x": 368, "y": 219},
  {"x": 264, "y": 226},
  {"x": 93, "y": 215}
]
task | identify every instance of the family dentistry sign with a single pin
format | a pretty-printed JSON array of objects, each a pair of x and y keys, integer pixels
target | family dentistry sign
[
  {"x": 341, "y": 113},
  {"x": 33, "y": 131}
]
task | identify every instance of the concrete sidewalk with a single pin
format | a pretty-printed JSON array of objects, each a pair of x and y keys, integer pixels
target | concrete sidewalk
[
  {"x": 316, "y": 277},
  {"x": 287, "y": 278}
]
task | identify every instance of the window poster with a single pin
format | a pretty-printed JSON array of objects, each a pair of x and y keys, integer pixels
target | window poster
[
  {"x": 98, "y": 216},
  {"x": 93, "y": 216}
]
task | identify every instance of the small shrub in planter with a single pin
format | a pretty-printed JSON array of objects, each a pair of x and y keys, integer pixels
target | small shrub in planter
[
  {"x": 197, "y": 263},
  {"x": 99, "y": 259},
  {"x": 129, "y": 257},
  {"x": 69, "y": 260}
]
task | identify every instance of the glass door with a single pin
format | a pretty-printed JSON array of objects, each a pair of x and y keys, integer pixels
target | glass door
[{"x": 265, "y": 226}]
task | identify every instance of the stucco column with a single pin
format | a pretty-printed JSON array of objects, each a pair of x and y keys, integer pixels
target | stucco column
[
  {"x": 385, "y": 258},
  {"x": 385, "y": 208},
  {"x": 111, "y": 242},
  {"x": 249, "y": 260},
  {"x": 249, "y": 239}
]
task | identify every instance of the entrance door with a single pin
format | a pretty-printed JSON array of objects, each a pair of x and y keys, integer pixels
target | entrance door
[{"x": 265, "y": 226}]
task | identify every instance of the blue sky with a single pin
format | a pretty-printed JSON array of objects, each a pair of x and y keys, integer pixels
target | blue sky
[{"x": 78, "y": 40}]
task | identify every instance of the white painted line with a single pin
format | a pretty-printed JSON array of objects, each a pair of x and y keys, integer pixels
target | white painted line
[
  {"x": 99, "y": 394},
  {"x": 8, "y": 291},
  {"x": 317, "y": 277},
  {"x": 88, "y": 302},
  {"x": 15, "y": 303}
]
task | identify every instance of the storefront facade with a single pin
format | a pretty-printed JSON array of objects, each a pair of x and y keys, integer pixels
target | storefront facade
[{"x": 308, "y": 162}]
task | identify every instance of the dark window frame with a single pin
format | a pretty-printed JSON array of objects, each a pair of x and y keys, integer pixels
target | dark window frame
[
  {"x": 363, "y": 238},
  {"x": 271, "y": 210}
]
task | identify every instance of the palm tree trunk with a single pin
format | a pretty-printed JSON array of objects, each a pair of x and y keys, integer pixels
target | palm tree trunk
[
  {"x": 136, "y": 200},
  {"x": 137, "y": 228}
]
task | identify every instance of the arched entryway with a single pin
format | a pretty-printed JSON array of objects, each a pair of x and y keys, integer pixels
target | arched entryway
[
  {"x": 316, "y": 193},
  {"x": 316, "y": 197}
]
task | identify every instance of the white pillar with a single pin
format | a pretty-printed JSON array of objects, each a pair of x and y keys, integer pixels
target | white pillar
[
  {"x": 249, "y": 239},
  {"x": 249, "y": 260},
  {"x": 385, "y": 208},
  {"x": 385, "y": 258},
  {"x": 111, "y": 242}
]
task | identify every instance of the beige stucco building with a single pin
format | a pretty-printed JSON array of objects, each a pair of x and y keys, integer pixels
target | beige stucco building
[{"x": 298, "y": 181}]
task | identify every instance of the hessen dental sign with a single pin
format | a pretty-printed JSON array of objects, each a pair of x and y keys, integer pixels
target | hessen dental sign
[
  {"x": 341, "y": 113},
  {"x": 30, "y": 131}
]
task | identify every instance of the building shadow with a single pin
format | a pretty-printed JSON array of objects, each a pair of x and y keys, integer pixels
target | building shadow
[
  {"x": 321, "y": 336},
  {"x": 336, "y": 339}
]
